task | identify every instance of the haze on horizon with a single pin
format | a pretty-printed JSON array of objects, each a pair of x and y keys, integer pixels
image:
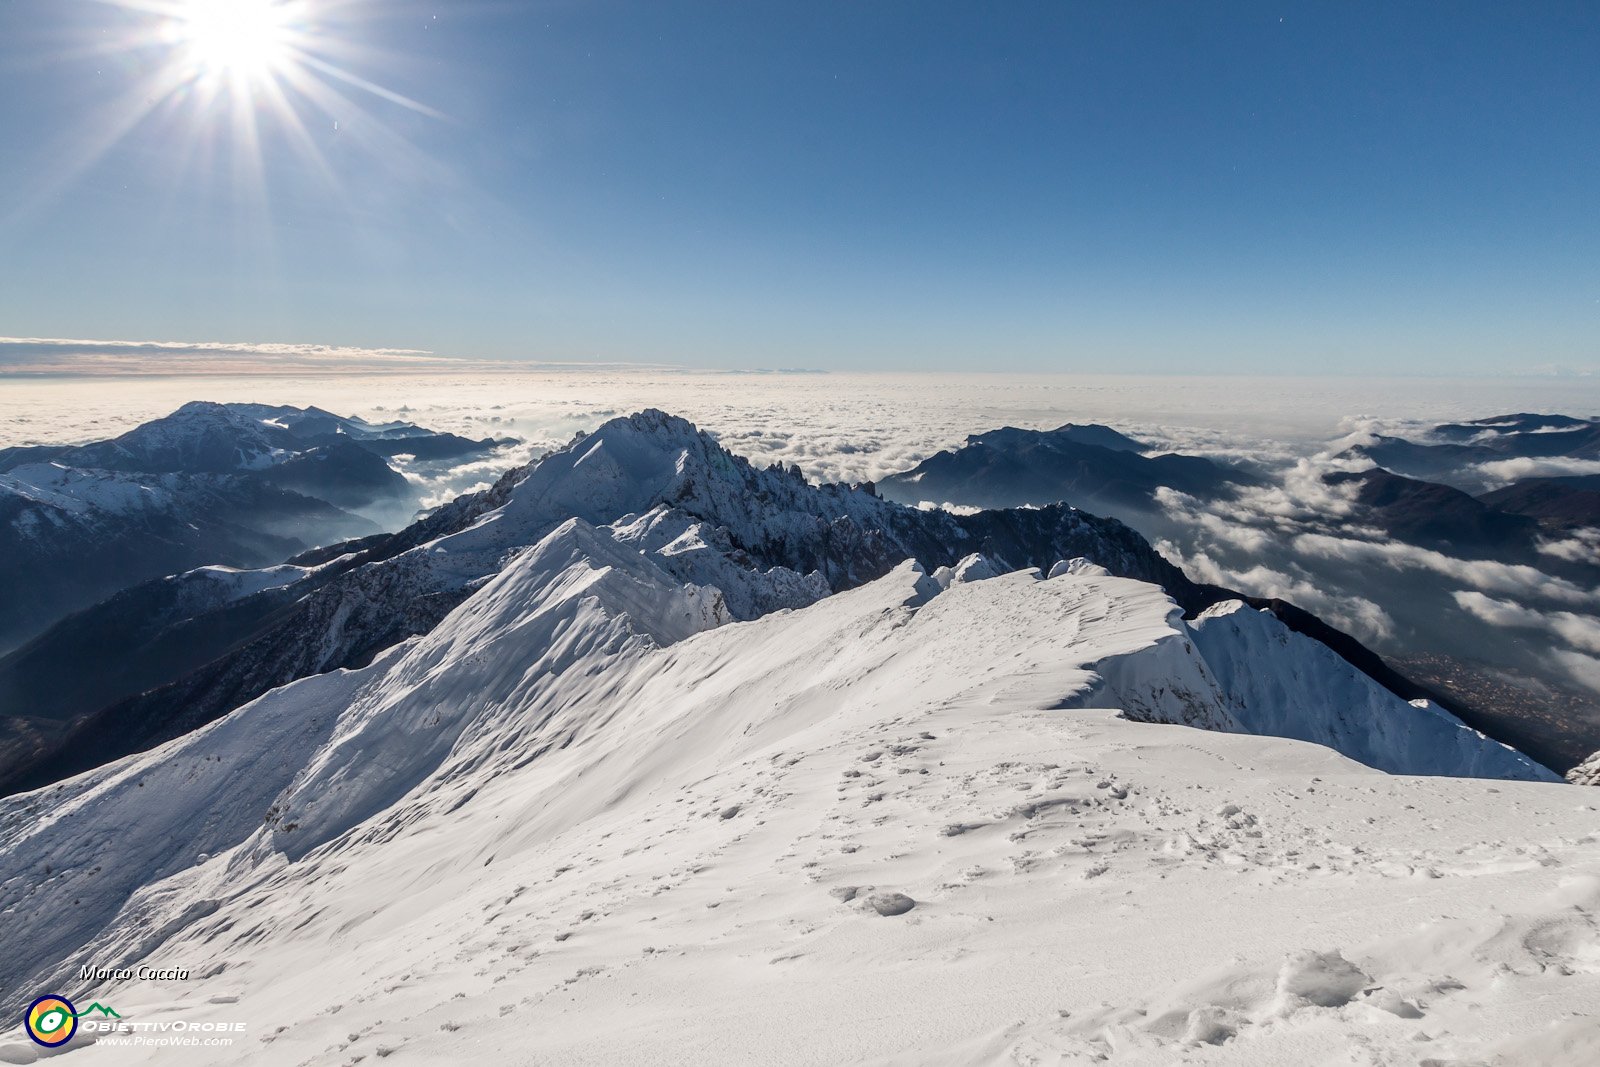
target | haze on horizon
[{"x": 1241, "y": 188}]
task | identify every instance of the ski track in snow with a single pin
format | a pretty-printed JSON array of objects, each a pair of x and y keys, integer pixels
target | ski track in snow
[{"x": 587, "y": 820}]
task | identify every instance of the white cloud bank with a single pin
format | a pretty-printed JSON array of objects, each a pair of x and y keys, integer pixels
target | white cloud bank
[
  {"x": 90, "y": 358},
  {"x": 1582, "y": 632},
  {"x": 1582, "y": 546},
  {"x": 1488, "y": 575},
  {"x": 1505, "y": 471}
]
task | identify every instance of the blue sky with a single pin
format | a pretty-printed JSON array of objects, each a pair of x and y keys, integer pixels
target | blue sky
[{"x": 1237, "y": 187}]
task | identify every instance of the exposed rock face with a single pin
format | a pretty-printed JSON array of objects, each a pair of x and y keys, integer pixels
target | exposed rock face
[{"x": 1587, "y": 772}]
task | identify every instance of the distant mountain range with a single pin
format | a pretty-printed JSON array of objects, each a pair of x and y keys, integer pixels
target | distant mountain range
[
  {"x": 1456, "y": 452},
  {"x": 1433, "y": 493},
  {"x": 238, "y": 485},
  {"x": 1563, "y": 503},
  {"x": 1091, "y": 467},
  {"x": 1508, "y": 524},
  {"x": 176, "y": 653}
]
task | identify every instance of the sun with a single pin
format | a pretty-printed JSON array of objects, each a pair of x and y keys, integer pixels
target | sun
[
  {"x": 250, "y": 91},
  {"x": 238, "y": 40}
]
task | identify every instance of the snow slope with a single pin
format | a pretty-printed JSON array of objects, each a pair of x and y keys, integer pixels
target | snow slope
[
  {"x": 53, "y": 488},
  {"x": 1353, "y": 714},
  {"x": 589, "y": 819}
]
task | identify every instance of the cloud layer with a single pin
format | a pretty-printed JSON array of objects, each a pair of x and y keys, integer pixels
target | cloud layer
[{"x": 65, "y": 356}]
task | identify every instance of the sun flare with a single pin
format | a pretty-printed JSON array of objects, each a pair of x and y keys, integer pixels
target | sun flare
[
  {"x": 252, "y": 91},
  {"x": 236, "y": 39}
]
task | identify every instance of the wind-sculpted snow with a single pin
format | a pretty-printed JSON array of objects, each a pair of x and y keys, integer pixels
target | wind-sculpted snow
[
  {"x": 577, "y": 598},
  {"x": 1241, "y": 670},
  {"x": 112, "y": 836},
  {"x": 1315, "y": 696},
  {"x": 1430, "y": 983},
  {"x": 585, "y": 691}
]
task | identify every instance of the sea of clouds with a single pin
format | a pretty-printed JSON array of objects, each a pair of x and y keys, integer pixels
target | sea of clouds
[{"x": 1272, "y": 540}]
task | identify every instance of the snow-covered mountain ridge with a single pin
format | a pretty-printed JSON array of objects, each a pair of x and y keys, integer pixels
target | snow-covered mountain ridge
[
  {"x": 244, "y": 485},
  {"x": 202, "y": 437},
  {"x": 591, "y": 816},
  {"x": 765, "y": 538},
  {"x": 70, "y": 536}
]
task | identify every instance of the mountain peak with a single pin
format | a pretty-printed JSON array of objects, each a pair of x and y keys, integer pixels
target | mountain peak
[
  {"x": 1092, "y": 434},
  {"x": 203, "y": 407}
]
